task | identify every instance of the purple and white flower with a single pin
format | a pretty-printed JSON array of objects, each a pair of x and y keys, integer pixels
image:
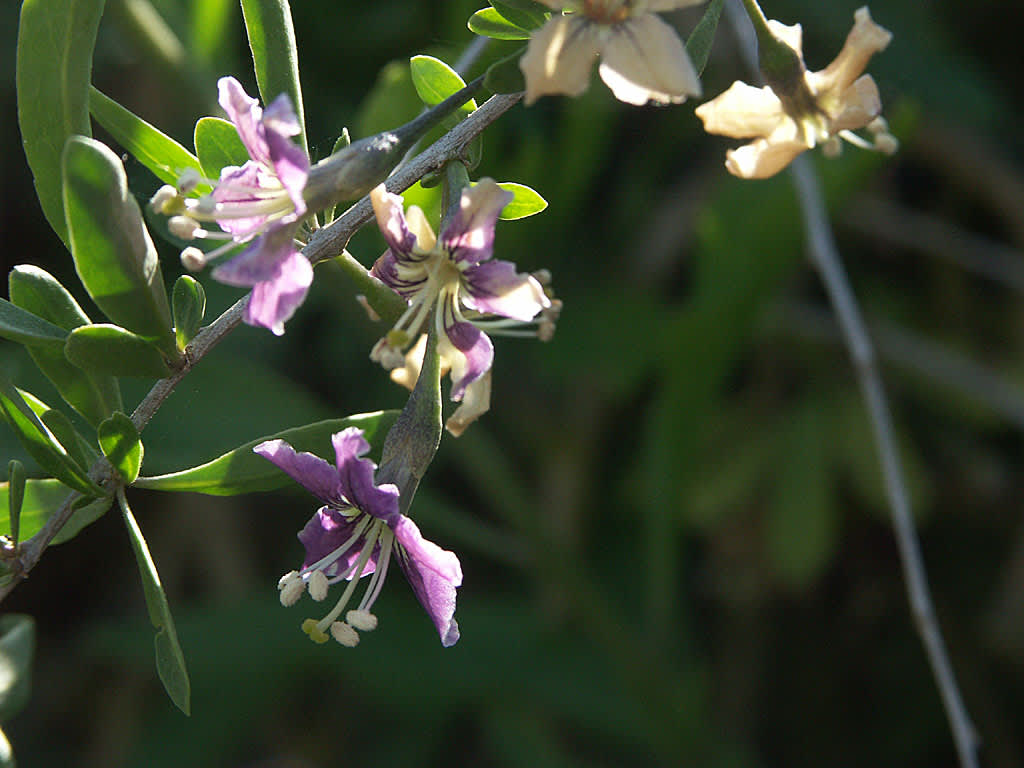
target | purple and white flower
[
  {"x": 357, "y": 533},
  {"x": 452, "y": 281},
  {"x": 259, "y": 203}
]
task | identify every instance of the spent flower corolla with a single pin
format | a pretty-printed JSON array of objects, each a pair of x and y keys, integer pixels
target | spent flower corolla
[
  {"x": 454, "y": 282},
  {"x": 357, "y": 532},
  {"x": 795, "y": 113},
  {"x": 259, "y": 204},
  {"x": 642, "y": 58}
]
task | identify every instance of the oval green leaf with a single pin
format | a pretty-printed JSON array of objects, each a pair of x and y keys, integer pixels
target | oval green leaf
[
  {"x": 54, "y": 66},
  {"x": 188, "y": 301},
  {"x": 242, "y": 471},
  {"x": 268, "y": 24},
  {"x": 526, "y": 201},
  {"x": 40, "y": 443},
  {"x": 218, "y": 146},
  {"x": 114, "y": 254},
  {"x": 435, "y": 81},
  {"x": 170, "y": 661},
  {"x": 23, "y": 327},
  {"x": 112, "y": 350},
  {"x": 120, "y": 443},
  {"x": 35, "y": 290},
  {"x": 523, "y": 13},
  {"x": 43, "y": 498},
  {"x": 487, "y": 22},
  {"x": 698, "y": 44},
  {"x": 161, "y": 154},
  {"x": 17, "y": 647}
]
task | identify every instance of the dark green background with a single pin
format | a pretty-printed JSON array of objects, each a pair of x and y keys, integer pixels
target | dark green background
[{"x": 675, "y": 543}]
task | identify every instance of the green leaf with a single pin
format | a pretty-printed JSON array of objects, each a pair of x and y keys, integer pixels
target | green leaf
[
  {"x": 435, "y": 81},
  {"x": 527, "y": 201},
  {"x": 242, "y": 471},
  {"x": 218, "y": 146},
  {"x": 55, "y": 44},
  {"x": 15, "y": 498},
  {"x": 42, "y": 499},
  {"x": 170, "y": 661},
  {"x": 114, "y": 255},
  {"x": 40, "y": 443},
  {"x": 161, "y": 154},
  {"x": 34, "y": 289},
  {"x": 274, "y": 56},
  {"x": 698, "y": 45},
  {"x": 523, "y": 13},
  {"x": 188, "y": 300},
  {"x": 120, "y": 443},
  {"x": 505, "y": 76},
  {"x": 112, "y": 350},
  {"x": 61, "y": 428},
  {"x": 488, "y": 22},
  {"x": 23, "y": 327},
  {"x": 17, "y": 648}
]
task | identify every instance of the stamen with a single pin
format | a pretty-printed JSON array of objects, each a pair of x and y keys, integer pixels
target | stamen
[
  {"x": 189, "y": 180},
  {"x": 318, "y": 585},
  {"x": 356, "y": 571},
  {"x": 331, "y": 557},
  {"x": 193, "y": 259},
  {"x": 291, "y": 586},
  {"x": 184, "y": 227},
  {"x": 380, "y": 572},
  {"x": 311, "y": 628},
  {"x": 344, "y": 634},
  {"x": 163, "y": 198},
  {"x": 364, "y": 621}
]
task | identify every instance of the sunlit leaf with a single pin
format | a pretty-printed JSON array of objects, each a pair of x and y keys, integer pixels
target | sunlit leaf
[
  {"x": 107, "y": 349},
  {"x": 526, "y": 201},
  {"x": 23, "y": 327},
  {"x": 120, "y": 443},
  {"x": 218, "y": 146},
  {"x": 42, "y": 499},
  {"x": 188, "y": 302},
  {"x": 488, "y": 22},
  {"x": 435, "y": 81}
]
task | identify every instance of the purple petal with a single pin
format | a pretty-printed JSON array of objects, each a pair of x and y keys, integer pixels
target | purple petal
[
  {"x": 391, "y": 221},
  {"x": 385, "y": 269},
  {"x": 242, "y": 185},
  {"x": 327, "y": 530},
  {"x": 433, "y": 573},
  {"x": 288, "y": 159},
  {"x": 244, "y": 111},
  {"x": 469, "y": 237},
  {"x": 311, "y": 472},
  {"x": 495, "y": 288},
  {"x": 475, "y": 360},
  {"x": 356, "y": 477},
  {"x": 261, "y": 261},
  {"x": 274, "y": 301}
]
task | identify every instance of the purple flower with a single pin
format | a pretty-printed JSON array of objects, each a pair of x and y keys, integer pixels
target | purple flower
[
  {"x": 455, "y": 275},
  {"x": 357, "y": 533},
  {"x": 259, "y": 204}
]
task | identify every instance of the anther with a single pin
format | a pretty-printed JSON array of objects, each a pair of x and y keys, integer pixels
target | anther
[
  {"x": 363, "y": 620},
  {"x": 318, "y": 585},
  {"x": 311, "y": 628},
  {"x": 183, "y": 227},
  {"x": 162, "y": 198},
  {"x": 193, "y": 259},
  {"x": 188, "y": 180},
  {"x": 291, "y": 586},
  {"x": 344, "y": 634}
]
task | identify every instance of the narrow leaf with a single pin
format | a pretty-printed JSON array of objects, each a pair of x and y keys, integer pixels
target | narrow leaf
[
  {"x": 170, "y": 661},
  {"x": 120, "y": 443},
  {"x": 527, "y": 201},
  {"x": 161, "y": 154},
  {"x": 17, "y": 648},
  {"x": 15, "y": 498},
  {"x": 43, "y": 498},
  {"x": 40, "y": 443},
  {"x": 698, "y": 45},
  {"x": 93, "y": 396},
  {"x": 488, "y": 22},
  {"x": 275, "y": 58},
  {"x": 242, "y": 471},
  {"x": 435, "y": 81},
  {"x": 60, "y": 427},
  {"x": 54, "y": 66},
  {"x": 188, "y": 301},
  {"x": 505, "y": 76},
  {"x": 218, "y": 146},
  {"x": 23, "y": 327},
  {"x": 112, "y": 350},
  {"x": 114, "y": 254}
]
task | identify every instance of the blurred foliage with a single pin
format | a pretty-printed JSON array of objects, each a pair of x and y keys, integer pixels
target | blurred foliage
[{"x": 672, "y": 526}]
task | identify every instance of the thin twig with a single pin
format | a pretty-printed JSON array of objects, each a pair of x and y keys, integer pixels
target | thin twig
[
  {"x": 325, "y": 243},
  {"x": 825, "y": 257}
]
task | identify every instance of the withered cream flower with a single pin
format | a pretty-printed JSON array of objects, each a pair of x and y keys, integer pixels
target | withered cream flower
[
  {"x": 826, "y": 106},
  {"x": 642, "y": 58}
]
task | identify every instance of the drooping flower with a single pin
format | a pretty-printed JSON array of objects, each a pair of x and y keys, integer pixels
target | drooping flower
[
  {"x": 259, "y": 204},
  {"x": 357, "y": 533},
  {"x": 455, "y": 276},
  {"x": 642, "y": 57},
  {"x": 828, "y": 105}
]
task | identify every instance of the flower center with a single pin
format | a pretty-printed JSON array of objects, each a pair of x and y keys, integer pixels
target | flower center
[{"x": 608, "y": 11}]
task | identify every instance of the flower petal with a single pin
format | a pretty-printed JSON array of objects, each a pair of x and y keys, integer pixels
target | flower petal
[
  {"x": 471, "y": 357},
  {"x": 288, "y": 159},
  {"x": 325, "y": 532},
  {"x": 261, "y": 260},
  {"x": 433, "y": 573},
  {"x": 391, "y": 221},
  {"x": 311, "y": 472},
  {"x": 390, "y": 271},
  {"x": 762, "y": 158},
  {"x": 243, "y": 184},
  {"x": 559, "y": 57},
  {"x": 864, "y": 41},
  {"x": 274, "y": 301},
  {"x": 475, "y": 403},
  {"x": 356, "y": 477},
  {"x": 860, "y": 105},
  {"x": 469, "y": 236},
  {"x": 644, "y": 60},
  {"x": 495, "y": 288},
  {"x": 742, "y": 112},
  {"x": 244, "y": 111}
]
